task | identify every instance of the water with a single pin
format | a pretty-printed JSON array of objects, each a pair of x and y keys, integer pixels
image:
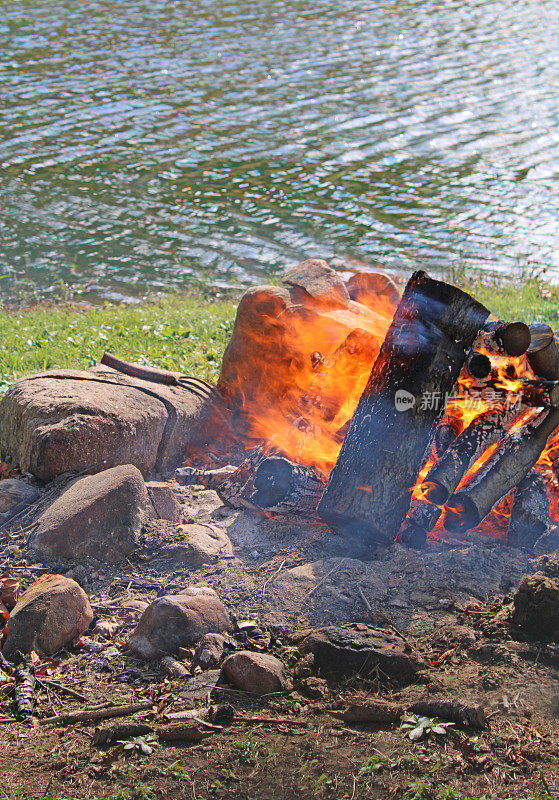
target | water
[{"x": 148, "y": 144}]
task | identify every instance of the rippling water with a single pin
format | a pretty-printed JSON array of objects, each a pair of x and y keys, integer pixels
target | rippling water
[{"x": 144, "y": 144}]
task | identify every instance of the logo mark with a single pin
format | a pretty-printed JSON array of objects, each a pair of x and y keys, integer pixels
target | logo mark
[{"x": 403, "y": 400}]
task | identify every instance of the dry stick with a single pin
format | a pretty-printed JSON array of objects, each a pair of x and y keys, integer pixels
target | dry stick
[
  {"x": 319, "y": 584},
  {"x": 272, "y": 577},
  {"x": 364, "y": 599},
  {"x": 101, "y": 713},
  {"x": 53, "y": 685}
]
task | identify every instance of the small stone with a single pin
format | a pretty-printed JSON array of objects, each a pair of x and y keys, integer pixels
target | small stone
[
  {"x": 369, "y": 288},
  {"x": 223, "y": 714},
  {"x": 178, "y": 620},
  {"x": 106, "y": 628},
  {"x": 200, "y": 686},
  {"x": 52, "y": 612},
  {"x": 464, "y": 636},
  {"x": 164, "y": 501},
  {"x": 258, "y": 673},
  {"x": 200, "y": 545},
  {"x": 98, "y": 516},
  {"x": 316, "y": 688},
  {"x": 536, "y": 607},
  {"x": 16, "y": 493},
  {"x": 209, "y": 651}
]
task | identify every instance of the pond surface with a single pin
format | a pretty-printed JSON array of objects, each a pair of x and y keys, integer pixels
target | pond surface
[{"x": 149, "y": 144}]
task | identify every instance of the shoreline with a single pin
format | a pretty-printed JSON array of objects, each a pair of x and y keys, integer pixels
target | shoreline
[{"x": 185, "y": 331}]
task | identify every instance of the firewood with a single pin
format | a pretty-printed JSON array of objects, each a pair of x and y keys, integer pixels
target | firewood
[
  {"x": 504, "y": 338},
  {"x": 24, "y": 686},
  {"x": 405, "y": 398},
  {"x": 445, "y": 434},
  {"x": 188, "y": 731},
  {"x": 451, "y": 710},
  {"x": 421, "y": 518},
  {"x": 445, "y": 475},
  {"x": 543, "y": 353},
  {"x": 478, "y": 366},
  {"x": 97, "y": 714},
  {"x": 529, "y": 517},
  {"x": 282, "y": 485},
  {"x": 371, "y": 711},
  {"x": 210, "y": 478},
  {"x": 122, "y": 730},
  {"x": 513, "y": 459}
]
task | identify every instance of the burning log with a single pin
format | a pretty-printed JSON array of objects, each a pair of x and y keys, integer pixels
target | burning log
[
  {"x": 282, "y": 485},
  {"x": 422, "y": 517},
  {"x": 395, "y": 421},
  {"x": 445, "y": 475},
  {"x": 543, "y": 353},
  {"x": 445, "y": 434},
  {"x": 479, "y": 366},
  {"x": 504, "y": 338},
  {"x": 510, "y": 463},
  {"x": 529, "y": 518}
]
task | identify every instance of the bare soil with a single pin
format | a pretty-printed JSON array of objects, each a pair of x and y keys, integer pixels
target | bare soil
[{"x": 452, "y": 603}]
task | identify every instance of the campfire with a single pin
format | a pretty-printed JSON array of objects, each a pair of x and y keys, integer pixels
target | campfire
[{"x": 387, "y": 417}]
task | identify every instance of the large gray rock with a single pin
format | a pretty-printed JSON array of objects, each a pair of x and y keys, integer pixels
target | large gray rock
[
  {"x": 178, "y": 620},
  {"x": 86, "y": 420},
  {"x": 49, "y": 614},
  {"x": 99, "y": 515}
]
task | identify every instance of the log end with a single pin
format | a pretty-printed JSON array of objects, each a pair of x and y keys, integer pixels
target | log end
[
  {"x": 461, "y": 514},
  {"x": 434, "y": 492}
]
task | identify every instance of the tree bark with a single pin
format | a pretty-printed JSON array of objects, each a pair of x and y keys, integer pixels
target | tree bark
[{"x": 433, "y": 329}]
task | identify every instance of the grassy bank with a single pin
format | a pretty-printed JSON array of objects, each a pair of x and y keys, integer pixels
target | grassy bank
[
  {"x": 181, "y": 332},
  {"x": 178, "y": 332}
]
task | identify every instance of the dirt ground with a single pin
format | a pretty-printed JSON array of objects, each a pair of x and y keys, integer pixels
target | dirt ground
[{"x": 451, "y": 603}]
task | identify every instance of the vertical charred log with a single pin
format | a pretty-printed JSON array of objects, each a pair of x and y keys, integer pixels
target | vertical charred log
[
  {"x": 510, "y": 463},
  {"x": 445, "y": 475},
  {"x": 433, "y": 329},
  {"x": 529, "y": 518}
]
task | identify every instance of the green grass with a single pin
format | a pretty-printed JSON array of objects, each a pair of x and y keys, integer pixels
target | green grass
[
  {"x": 186, "y": 333},
  {"x": 178, "y": 332}
]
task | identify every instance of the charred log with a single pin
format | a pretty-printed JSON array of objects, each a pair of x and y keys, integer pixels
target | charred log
[
  {"x": 421, "y": 518},
  {"x": 529, "y": 518},
  {"x": 543, "y": 353},
  {"x": 445, "y": 434},
  {"x": 510, "y": 463},
  {"x": 445, "y": 475},
  {"x": 282, "y": 485},
  {"x": 504, "y": 338},
  {"x": 395, "y": 421},
  {"x": 479, "y": 366}
]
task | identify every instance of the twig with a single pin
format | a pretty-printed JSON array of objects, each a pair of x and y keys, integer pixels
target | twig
[
  {"x": 364, "y": 599},
  {"x": 268, "y": 721},
  {"x": 53, "y": 685},
  {"x": 271, "y": 578},
  {"x": 319, "y": 584}
]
